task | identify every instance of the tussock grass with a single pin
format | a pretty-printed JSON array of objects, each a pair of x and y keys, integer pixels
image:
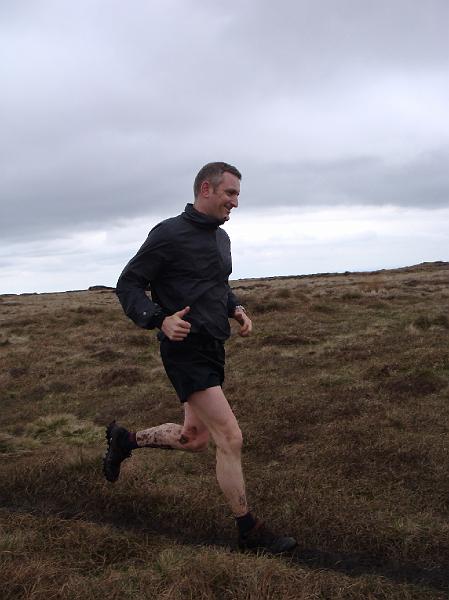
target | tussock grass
[
  {"x": 342, "y": 394},
  {"x": 121, "y": 376},
  {"x": 66, "y": 427},
  {"x": 55, "y": 429},
  {"x": 14, "y": 444},
  {"x": 425, "y": 322}
]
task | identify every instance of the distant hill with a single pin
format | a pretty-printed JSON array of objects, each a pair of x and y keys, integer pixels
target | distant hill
[{"x": 424, "y": 266}]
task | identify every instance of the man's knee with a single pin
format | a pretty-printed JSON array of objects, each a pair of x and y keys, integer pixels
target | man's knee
[{"x": 230, "y": 441}]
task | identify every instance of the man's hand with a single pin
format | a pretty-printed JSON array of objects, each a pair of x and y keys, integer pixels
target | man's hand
[
  {"x": 246, "y": 325},
  {"x": 174, "y": 326}
]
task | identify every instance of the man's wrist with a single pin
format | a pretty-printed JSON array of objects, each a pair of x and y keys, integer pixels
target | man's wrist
[
  {"x": 240, "y": 307},
  {"x": 158, "y": 319}
]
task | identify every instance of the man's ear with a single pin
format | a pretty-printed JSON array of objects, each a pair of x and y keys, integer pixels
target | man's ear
[{"x": 205, "y": 188}]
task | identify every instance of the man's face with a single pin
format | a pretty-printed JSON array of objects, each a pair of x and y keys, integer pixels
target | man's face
[{"x": 224, "y": 197}]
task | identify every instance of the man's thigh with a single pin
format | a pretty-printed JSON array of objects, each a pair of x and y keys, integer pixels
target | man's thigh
[{"x": 212, "y": 408}]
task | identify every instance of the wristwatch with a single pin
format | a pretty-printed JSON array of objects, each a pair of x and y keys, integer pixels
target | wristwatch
[{"x": 240, "y": 307}]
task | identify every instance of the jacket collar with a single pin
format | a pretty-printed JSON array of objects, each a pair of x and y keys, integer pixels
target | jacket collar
[{"x": 205, "y": 221}]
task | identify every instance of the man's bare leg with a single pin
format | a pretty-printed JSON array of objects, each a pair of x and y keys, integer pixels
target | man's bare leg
[
  {"x": 192, "y": 436},
  {"x": 212, "y": 409}
]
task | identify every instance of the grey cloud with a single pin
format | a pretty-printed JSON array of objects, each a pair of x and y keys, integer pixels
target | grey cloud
[
  {"x": 72, "y": 203},
  {"x": 421, "y": 182},
  {"x": 111, "y": 108}
]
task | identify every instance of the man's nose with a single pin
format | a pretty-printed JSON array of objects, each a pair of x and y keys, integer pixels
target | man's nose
[{"x": 235, "y": 202}]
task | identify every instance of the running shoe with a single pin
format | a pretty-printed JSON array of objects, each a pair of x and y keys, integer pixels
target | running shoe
[
  {"x": 117, "y": 451},
  {"x": 260, "y": 538}
]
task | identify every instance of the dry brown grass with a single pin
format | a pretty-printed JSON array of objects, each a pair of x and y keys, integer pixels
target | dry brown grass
[{"x": 342, "y": 394}]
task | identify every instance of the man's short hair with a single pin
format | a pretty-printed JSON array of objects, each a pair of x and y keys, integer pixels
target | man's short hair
[{"x": 213, "y": 172}]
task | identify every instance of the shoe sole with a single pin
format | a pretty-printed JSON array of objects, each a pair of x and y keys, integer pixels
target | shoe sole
[
  {"x": 264, "y": 549},
  {"x": 108, "y": 436}
]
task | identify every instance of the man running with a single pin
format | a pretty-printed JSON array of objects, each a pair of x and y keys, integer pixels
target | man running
[{"x": 186, "y": 263}]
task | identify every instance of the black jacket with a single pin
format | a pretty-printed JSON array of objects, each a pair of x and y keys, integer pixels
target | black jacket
[{"x": 185, "y": 261}]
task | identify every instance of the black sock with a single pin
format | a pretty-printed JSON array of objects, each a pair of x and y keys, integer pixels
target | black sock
[
  {"x": 130, "y": 441},
  {"x": 245, "y": 523}
]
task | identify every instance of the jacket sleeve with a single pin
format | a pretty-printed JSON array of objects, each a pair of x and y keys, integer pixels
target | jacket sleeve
[
  {"x": 233, "y": 301},
  {"x": 136, "y": 276}
]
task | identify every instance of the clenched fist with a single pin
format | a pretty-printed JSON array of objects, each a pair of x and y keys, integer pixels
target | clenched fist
[{"x": 174, "y": 326}]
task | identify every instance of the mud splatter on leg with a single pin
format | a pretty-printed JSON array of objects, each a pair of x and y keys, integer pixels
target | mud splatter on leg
[{"x": 164, "y": 436}]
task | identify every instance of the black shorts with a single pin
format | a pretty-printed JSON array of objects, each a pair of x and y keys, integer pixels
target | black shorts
[{"x": 195, "y": 364}]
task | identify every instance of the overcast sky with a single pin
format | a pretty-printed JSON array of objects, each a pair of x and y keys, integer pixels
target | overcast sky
[{"x": 335, "y": 111}]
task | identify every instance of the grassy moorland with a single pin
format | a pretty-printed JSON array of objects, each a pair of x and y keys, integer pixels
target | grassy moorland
[{"x": 343, "y": 397}]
